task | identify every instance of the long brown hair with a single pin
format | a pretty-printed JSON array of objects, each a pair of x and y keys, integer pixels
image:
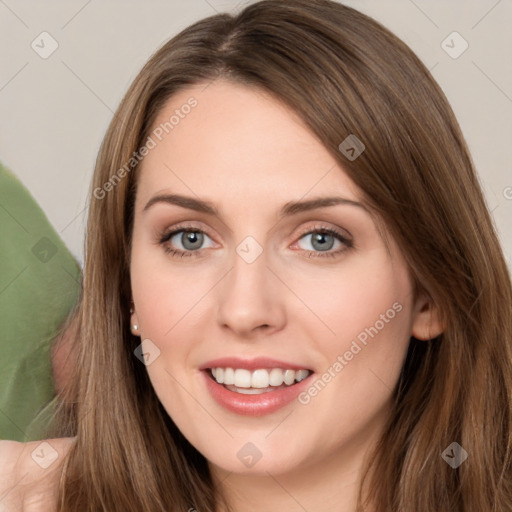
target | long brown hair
[{"x": 344, "y": 74}]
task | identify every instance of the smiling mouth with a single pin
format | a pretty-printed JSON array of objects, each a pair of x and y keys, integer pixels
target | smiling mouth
[{"x": 256, "y": 382}]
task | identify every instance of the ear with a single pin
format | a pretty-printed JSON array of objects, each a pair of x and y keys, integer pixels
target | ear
[{"x": 427, "y": 322}]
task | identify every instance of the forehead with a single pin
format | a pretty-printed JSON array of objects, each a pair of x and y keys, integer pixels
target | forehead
[{"x": 238, "y": 142}]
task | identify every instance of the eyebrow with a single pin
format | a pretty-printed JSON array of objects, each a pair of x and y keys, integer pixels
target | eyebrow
[{"x": 288, "y": 209}]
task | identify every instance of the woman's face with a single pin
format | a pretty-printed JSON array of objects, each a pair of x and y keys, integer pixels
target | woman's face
[{"x": 265, "y": 282}]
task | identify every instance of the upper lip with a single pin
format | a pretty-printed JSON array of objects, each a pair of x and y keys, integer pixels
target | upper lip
[{"x": 251, "y": 364}]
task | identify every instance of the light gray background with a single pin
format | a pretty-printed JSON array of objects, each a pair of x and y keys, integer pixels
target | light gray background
[{"x": 54, "y": 111}]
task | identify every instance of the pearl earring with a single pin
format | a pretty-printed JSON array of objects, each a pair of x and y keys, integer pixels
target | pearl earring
[{"x": 134, "y": 327}]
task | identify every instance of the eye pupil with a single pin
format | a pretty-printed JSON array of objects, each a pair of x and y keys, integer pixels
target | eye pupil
[
  {"x": 320, "y": 238},
  {"x": 193, "y": 237}
]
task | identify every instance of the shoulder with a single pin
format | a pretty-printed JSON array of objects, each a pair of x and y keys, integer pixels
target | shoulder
[
  {"x": 10, "y": 454},
  {"x": 29, "y": 474}
]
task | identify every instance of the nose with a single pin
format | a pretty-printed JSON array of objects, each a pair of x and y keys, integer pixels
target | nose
[{"x": 251, "y": 298}]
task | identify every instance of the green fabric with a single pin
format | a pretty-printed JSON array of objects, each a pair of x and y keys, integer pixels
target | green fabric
[{"x": 39, "y": 285}]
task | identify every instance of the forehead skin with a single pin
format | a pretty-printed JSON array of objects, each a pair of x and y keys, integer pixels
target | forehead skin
[{"x": 222, "y": 157}]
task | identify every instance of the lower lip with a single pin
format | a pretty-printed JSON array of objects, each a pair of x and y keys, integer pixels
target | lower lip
[{"x": 254, "y": 405}]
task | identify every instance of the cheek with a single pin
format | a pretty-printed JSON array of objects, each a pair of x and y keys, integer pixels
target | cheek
[
  {"x": 363, "y": 311},
  {"x": 366, "y": 309},
  {"x": 160, "y": 296},
  {"x": 162, "y": 292},
  {"x": 355, "y": 295}
]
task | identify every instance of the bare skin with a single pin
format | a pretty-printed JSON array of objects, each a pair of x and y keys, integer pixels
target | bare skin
[{"x": 29, "y": 474}]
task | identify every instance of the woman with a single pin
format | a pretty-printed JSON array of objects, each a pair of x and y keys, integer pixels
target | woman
[{"x": 293, "y": 292}]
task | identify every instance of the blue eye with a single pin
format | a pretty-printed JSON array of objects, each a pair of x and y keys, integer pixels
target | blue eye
[
  {"x": 192, "y": 239},
  {"x": 323, "y": 240}
]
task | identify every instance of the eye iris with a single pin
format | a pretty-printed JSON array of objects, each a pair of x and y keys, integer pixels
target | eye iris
[
  {"x": 320, "y": 237},
  {"x": 196, "y": 239}
]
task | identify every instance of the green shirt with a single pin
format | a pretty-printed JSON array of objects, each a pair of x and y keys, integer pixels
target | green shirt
[{"x": 39, "y": 285}]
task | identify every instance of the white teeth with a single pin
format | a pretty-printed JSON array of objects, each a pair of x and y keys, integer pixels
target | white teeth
[
  {"x": 289, "y": 377},
  {"x": 242, "y": 378},
  {"x": 276, "y": 377},
  {"x": 301, "y": 375},
  {"x": 229, "y": 376},
  {"x": 258, "y": 379}
]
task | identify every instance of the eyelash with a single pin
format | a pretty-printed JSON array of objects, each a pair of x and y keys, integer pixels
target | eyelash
[{"x": 178, "y": 253}]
